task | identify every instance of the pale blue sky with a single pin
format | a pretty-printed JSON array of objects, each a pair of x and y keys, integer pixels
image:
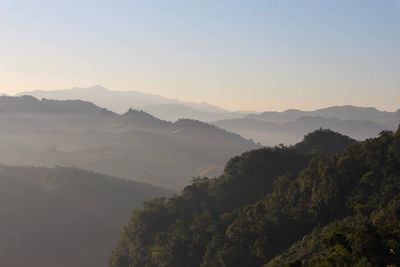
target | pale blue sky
[{"x": 253, "y": 55}]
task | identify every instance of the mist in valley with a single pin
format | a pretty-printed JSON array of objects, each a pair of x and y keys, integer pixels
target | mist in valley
[{"x": 199, "y": 134}]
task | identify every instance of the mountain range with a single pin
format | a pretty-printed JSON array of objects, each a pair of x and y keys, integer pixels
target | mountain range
[
  {"x": 266, "y": 128},
  {"x": 67, "y": 216},
  {"x": 135, "y": 144},
  {"x": 347, "y": 112},
  {"x": 120, "y": 101},
  {"x": 288, "y": 127}
]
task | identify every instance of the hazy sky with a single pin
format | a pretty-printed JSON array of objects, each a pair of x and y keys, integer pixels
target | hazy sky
[{"x": 242, "y": 55}]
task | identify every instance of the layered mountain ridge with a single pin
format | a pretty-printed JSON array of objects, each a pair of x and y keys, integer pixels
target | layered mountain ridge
[
  {"x": 267, "y": 128},
  {"x": 135, "y": 144}
]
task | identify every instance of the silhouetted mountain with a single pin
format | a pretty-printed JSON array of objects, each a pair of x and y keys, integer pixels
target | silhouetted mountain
[
  {"x": 64, "y": 217},
  {"x": 324, "y": 142},
  {"x": 279, "y": 206},
  {"x": 139, "y": 120},
  {"x": 135, "y": 144},
  {"x": 29, "y": 104}
]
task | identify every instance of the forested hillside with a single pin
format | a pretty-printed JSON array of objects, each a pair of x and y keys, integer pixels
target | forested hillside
[
  {"x": 64, "y": 216},
  {"x": 305, "y": 205}
]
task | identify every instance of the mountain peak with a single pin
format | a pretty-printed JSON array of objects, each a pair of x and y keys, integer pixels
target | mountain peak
[
  {"x": 136, "y": 116},
  {"x": 349, "y": 108},
  {"x": 324, "y": 141},
  {"x": 137, "y": 112}
]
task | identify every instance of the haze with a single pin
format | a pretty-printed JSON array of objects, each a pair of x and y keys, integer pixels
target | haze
[
  {"x": 199, "y": 133},
  {"x": 240, "y": 55}
]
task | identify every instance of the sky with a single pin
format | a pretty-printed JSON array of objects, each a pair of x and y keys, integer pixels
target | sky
[{"x": 241, "y": 55}]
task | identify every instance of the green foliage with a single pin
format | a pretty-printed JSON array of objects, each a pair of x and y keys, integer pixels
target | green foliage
[
  {"x": 285, "y": 206},
  {"x": 324, "y": 141},
  {"x": 354, "y": 241}
]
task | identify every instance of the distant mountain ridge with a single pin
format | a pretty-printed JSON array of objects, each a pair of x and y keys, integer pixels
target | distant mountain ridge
[
  {"x": 289, "y": 126},
  {"x": 267, "y": 128},
  {"x": 30, "y": 104},
  {"x": 135, "y": 145},
  {"x": 270, "y": 133},
  {"x": 120, "y": 101},
  {"x": 346, "y": 112}
]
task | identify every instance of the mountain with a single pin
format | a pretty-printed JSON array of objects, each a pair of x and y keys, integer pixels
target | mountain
[
  {"x": 29, "y": 104},
  {"x": 120, "y": 101},
  {"x": 270, "y": 133},
  {"x": 324, "y": 142},
  {"x": 303, "y": 205},
  {"x": 288, "y": 127},
  {"x": 117, "y": 101},
  {"x": 135, "y": 144},
  {"x": 64, "y": 216},
  {"x": 138, "y": 120},
  {"x": 388, "y": 119}
]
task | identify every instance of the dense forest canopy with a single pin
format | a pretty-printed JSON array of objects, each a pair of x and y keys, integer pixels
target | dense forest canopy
[{"x": 309, "y": 204}]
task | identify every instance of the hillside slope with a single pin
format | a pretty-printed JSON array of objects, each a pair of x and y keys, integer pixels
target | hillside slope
[
  {"x": 63, "y": 217},
  {"x": 268, "y": 199}
]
